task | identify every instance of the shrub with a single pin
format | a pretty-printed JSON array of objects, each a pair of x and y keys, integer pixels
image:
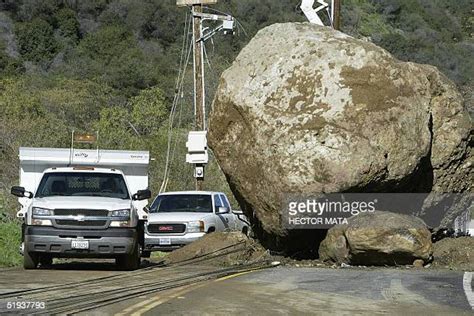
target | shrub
[
  {"x": 36, "y": 40},
  {"x": 149, "y": 110},
  {"x": 10, "y": 240},
  {"x": 68, "y": 25}
]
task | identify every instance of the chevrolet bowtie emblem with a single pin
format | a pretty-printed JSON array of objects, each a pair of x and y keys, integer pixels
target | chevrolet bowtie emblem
[{"x": 80, "y": 218}]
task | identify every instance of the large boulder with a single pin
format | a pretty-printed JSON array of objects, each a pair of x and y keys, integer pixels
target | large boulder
[
  {"x": 307, "y": 109},
  {"x": 378, "y": 238}
]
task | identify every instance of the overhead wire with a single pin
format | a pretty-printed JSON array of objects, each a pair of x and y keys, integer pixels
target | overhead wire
[
  {"x": 184, "y": 60},
  {"x": 227, "y": 14},
  {"x": 206, "y": 57},
  {"x": 179, "y": 114},
  {"x": 171, "y": 126}
]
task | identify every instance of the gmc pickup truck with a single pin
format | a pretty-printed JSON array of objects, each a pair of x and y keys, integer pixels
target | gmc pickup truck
[{"x": 179, "y": 218}]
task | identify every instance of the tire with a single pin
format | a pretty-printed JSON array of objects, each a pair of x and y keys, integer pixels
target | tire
[
  {"x": 245, "y": 231},
  {"x": 211, "y": 230},
  {"x": 45, "y": 260},
  {"x": 30, "y": 260},
  {"x": 141, "y": 233},
  {"x": 130, "y": 262},
  {"x": 146, "y": 254}
]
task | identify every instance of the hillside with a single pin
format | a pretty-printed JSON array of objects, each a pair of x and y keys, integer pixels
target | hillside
[{"x": 111, "y": 66}]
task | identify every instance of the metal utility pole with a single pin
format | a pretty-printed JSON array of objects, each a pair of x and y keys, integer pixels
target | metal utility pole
[
  {"x": 199, "y": 95},
  {"x": 197, "y": 142}
]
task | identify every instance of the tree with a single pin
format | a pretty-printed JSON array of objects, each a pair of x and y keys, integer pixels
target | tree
[
  {"x": 112, "y": 55},
  {"x": 9, "y": 66},
  {"x": 115, "y": 130},
  {"x": 67, "y": 25},
  {"x": 36, "y": 40},
  {"x": 149, "y": 110}
]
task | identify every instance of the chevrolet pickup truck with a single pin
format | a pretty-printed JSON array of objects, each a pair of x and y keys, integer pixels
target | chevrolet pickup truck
[
  {"x": 176, "y": 219},
  {"x": 77, "y": 203}
]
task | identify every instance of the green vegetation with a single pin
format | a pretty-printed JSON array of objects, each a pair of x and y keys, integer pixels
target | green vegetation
[
  {"x": 158, "y": 255},
  {"x": 10, "y": 238},
  {"x": 36, "y": 40},
  {"x": 434, "y": 32},
  {"x": 111, "y": 66}
]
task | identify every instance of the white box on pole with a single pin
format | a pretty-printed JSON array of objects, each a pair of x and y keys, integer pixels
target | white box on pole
[{"x": 197, "y": 148}]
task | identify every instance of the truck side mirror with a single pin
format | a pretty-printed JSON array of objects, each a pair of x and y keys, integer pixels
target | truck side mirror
[
  {"x": 222, "y": 210},
  {"x": 20, "y": 192},
  {"x": 142, "y": 195}
]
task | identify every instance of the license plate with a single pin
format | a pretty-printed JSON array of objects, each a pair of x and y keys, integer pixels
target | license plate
[
  {"x": 165, "y": 241},
  {"x": 80, "y": 244}
]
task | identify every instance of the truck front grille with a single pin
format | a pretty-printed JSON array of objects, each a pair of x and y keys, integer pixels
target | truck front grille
[
  {"x": 81, "y": 212},
  {"x": 166, "y": 228},
  {"x": 85, "y": 221},
  {"x": 63, "y": 222}
]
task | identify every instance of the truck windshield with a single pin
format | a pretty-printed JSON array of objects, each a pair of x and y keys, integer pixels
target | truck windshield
[
  {"x": 82, "y": 184},
  {"x": 199, "y": 203}
]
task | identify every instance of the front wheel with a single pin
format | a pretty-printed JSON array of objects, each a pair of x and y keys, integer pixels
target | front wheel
[
  {"x": 45, "y": 260},
  {"x": 131, "y": 261},
  {"x": 30, "y": 260}
]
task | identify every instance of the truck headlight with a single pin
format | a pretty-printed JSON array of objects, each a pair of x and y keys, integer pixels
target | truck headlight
[
  {"x": 38, "y": 211},
  {"x": 121, "y": 213},
  {"x": 122, "y": 218},
  {"x": 195, "y": 227}
]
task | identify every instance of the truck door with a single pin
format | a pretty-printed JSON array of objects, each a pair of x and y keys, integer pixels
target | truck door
[{"x": 222, "y": 219}]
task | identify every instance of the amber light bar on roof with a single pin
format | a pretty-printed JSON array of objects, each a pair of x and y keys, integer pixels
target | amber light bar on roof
[
  {"x": 83, "y": 168},
  {"x": 181, "y": 3},
  {"x": 85, "y": 138}
]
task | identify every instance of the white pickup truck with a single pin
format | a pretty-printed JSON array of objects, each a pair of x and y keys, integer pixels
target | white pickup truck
[
  {"x": 179, "y": 218},
  {"x": 77, "y": 203}
]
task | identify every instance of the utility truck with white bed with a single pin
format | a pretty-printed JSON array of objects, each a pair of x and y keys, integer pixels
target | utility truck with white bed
[
  {"x": 179, "y": 218},
  {"x": 82, "y": 203}
]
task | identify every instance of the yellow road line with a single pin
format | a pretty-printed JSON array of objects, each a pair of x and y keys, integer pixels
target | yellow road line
[
  {"x": 235, "y": 275},
  {"x": 147, "y": 305},
  {"x": 156, "y": 301}
]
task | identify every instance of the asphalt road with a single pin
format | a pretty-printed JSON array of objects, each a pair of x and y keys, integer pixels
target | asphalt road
[
  {"x": 280, "y": 290},
  {"x": 292, "y": 291}
]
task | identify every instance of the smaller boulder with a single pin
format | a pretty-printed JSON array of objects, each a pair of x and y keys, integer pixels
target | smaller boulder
[
  {"x": 334, "y": 247},
  {"x": 379, "y": 238},
  {"x": 454, "y": 253}
]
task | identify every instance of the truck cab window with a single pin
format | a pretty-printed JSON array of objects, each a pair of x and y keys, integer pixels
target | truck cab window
[
  {"x": 224, "y": 200},
  {"x": 82, "y": 184},
  {"x": 182, "y": 203},
  {"x": 217, "y": 202}
]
